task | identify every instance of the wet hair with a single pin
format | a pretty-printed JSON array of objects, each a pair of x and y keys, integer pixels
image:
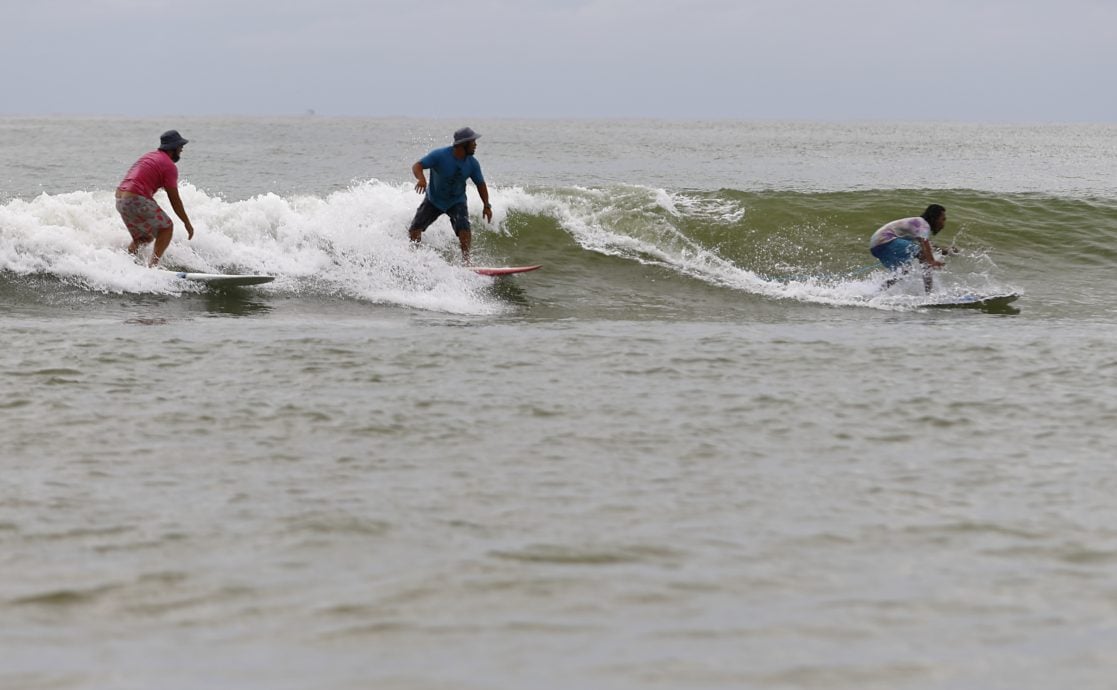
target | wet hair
[{"x": 932, "y": 213}]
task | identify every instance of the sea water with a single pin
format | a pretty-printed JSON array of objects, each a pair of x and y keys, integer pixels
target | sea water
[{"x": 700, "y": 448}]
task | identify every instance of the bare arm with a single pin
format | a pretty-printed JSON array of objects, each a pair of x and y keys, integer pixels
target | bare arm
[
  {"x": 487, "y": 212},
  {"x": 180, "y": 211},
  {"x": 927, "y": 254},
  {"x": 417, "y": 171}
]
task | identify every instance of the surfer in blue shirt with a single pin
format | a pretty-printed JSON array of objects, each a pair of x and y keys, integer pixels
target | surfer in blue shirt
[{"x": 450, "y": 167}]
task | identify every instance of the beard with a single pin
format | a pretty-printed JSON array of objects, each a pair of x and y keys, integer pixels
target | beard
[{"x": 174, "y": 156}]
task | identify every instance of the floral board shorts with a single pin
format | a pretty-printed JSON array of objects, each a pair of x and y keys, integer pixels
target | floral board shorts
[{"x": 143, "y": 218}]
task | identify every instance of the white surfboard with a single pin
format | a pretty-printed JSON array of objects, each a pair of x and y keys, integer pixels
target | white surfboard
[
  {"x": 225, "y": 279},
  {"x": 973, "y": 300},
  {"x": 503, "y": 270}
]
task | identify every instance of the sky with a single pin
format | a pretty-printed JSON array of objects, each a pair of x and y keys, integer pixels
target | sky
[{"x": 815, "y": 60}]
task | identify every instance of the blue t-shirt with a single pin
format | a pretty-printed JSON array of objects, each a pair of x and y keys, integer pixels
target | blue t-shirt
[{"x": 448, "y": 176}]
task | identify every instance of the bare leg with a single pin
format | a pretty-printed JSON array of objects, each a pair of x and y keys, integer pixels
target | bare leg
[
  {"x": 161, "y": 241},
  {"x": 415, "y": 235},
  {"x": 928, "y": 282},
  {"x": 465, "y": 239},
  {"x": 897, "y": 275}
]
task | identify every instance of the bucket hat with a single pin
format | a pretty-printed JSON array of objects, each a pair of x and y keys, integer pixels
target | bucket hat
[
  {"x": 465, "y": 135},
  {"x": 171, "y": 140}
]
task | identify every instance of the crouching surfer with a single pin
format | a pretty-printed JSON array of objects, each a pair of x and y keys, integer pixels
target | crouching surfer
[{"x": 902, "y": 243}]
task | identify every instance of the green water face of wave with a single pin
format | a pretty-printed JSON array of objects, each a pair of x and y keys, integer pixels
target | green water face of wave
[{"x": 787, "y": 233}]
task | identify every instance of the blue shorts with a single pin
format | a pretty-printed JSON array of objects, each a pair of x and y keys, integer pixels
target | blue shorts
[
  {"x": 897, "y": 253},
  {"x": 427, "y": 213}
]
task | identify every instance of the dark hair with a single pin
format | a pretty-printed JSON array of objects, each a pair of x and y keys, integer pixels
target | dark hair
[{"x": 932, "y": 213}]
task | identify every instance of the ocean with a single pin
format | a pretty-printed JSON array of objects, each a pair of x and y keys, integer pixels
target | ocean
[{"x": 701, "y": 448}]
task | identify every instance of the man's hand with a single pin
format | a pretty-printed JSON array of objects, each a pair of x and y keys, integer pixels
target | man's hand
[{"x": 417, "y": 171}]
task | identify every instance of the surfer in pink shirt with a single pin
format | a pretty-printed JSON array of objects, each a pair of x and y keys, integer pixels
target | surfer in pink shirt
[{"x": 144, "y": 219}]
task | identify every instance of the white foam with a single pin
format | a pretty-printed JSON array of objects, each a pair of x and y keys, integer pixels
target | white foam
[{"x": 352, "y": 243}]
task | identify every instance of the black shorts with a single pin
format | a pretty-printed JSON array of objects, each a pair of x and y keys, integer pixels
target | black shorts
[{"x": 427, "y": 213}]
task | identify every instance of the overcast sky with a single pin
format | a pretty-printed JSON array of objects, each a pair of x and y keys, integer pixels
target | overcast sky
[{"x": 831, "y": 60}]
